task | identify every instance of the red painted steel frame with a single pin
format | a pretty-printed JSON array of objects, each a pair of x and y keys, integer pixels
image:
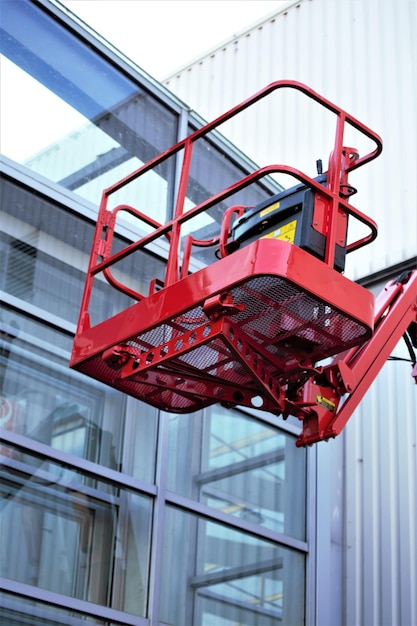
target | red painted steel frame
[{"x": 250, "y": 328}]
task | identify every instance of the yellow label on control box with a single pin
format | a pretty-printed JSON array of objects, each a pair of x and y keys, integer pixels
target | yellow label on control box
[
  {"x": 284, "y": 233},
  {"x": 269, "y": 209}
]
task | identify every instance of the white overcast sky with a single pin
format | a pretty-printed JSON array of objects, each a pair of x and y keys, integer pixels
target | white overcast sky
[{"x": 162, "y": 35}]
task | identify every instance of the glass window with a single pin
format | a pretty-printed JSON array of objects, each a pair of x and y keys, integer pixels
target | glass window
[
  {"x": 214, "y": 575},
  {"x": 241, "y": 466},
  {"x": 212, "y": 170},
  {"x": 140, "y": 440},
  {"x": 41, "y": 398},
  {"x": 76, "y": 536},
  {"x": 103, "y": 125},
  {"x": 16, "y": 610},
  {"x": 45, "y": 250}
]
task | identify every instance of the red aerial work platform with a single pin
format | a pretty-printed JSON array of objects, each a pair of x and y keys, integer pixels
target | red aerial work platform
[{"x": 254, "y": 327}]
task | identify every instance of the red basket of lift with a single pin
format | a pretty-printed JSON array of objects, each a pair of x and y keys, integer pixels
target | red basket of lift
[{"x": 248, "y": 329}]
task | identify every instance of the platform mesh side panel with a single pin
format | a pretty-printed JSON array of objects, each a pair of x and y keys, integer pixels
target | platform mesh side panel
[
  {"x": 151, "y": 338},
  {"x": 286, "y": 319}
]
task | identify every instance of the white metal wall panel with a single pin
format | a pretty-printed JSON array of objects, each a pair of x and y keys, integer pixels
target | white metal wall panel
[
  {"x": 381, "y": 503},
  {"x": 361, "y": 54}
]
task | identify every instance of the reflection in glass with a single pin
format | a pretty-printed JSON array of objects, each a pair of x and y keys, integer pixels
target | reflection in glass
[
  {"x": 20, "y": 611},
  {"x": 75, "y": 533},
  {"x": 215, "y": 575},
  {"x": 104, "y": 124},
  {"x": 241, "y": 466},
  {"x": 140, "y": 441},
  {"x": 42, "y": 399},
  {"x": 45, "y": 252}
]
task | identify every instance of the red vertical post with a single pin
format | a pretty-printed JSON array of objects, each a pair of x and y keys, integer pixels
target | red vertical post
[
  {"x": 171, "y": 274},
  {"x": 97, "y": 249}
]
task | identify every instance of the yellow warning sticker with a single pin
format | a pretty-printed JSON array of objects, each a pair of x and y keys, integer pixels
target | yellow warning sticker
[
  {"x": 286, "y": 232},
  {"x": 327, "y": 404},
  {"x": 269, "y": 209}
]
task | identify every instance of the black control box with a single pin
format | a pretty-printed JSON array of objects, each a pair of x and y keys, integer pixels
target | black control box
[{"x": 288, "y": 216}]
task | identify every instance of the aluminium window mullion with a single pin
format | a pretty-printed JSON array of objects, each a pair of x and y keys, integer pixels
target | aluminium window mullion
[
  {"x": 158, "y": 518},
  {"x": 214, "y": 515},
  {"x": 60, "y": 601},
  {"x": 78, "y": 464}
]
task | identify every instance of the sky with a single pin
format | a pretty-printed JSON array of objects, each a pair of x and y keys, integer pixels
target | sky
[{"x": 163, "y": 35}]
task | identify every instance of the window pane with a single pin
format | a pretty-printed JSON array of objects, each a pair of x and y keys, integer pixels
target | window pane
[
  {"x": 212, "y": 170},
  {"x": 20, "y": 611},
  {"x": 241, "y": 466},
  {"x": 77, "y": 536},
  {"x": 45, "y": 251},
  {"x": 43, "y": 399},
  {"x": 103, "y": 125},
  {"x": 214, "y": 575},
  {"x": 139, "y": 456}
]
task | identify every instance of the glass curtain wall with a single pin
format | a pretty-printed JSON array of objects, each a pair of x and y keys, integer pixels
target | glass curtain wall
[
  {"x": 111, "y": 512},
  {"x": 104, "y": 124}
]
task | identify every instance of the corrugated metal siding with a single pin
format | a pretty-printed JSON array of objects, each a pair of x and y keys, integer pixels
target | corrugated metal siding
[
  {"x": 360, "y": 54},
  {"x": 381, "y": 503}
]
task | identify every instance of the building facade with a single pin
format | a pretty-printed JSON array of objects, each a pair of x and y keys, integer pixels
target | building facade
[{"x": 113, "y": 512}]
